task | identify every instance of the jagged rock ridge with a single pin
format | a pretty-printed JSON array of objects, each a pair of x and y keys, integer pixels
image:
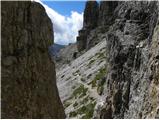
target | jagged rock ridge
[
  {"x": 28, "y": 75},
  {"x": 97, "y": 19},
  {"x": 131, "y": 32},
  {"x": 90, "y": 22}
]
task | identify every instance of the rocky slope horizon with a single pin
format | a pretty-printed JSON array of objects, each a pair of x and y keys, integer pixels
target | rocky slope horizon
[
  {"x": 28, "y": 83},
  {"x": 55, "y": 49}
]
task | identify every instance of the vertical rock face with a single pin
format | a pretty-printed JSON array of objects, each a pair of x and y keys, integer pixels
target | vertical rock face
[
  {"x": 90, "y": 15},
  {"x": 132, "y": 62},
  {"x": 90, "y": 22},
  {"x": 131, "y": 33},
  {"x": 28, "y": 77},
  {"x": 106, "y": 11},
  {"x": 97, "y": 19}
]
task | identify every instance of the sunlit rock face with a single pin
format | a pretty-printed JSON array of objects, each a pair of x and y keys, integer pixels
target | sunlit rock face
[
  {"x": 28, "y": 75},
  {"x": 131, "y": 33},
  {"x": 132, "y": 62}
]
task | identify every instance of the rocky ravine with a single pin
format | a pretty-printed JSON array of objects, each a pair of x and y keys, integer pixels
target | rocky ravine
[
  {"x": 28, "y": 75},
  {"x": 128, "y": 85}
]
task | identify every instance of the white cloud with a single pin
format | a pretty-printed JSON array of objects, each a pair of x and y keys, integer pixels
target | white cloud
[{"x": 65, "y": 28}]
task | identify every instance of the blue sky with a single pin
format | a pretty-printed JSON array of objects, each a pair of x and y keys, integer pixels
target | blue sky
[
  {"x": 65, "y": 7},
  {"x": 67, "y": 19}
]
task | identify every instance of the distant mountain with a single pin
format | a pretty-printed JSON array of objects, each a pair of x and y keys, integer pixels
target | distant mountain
[{"x": 55, "y": 48}]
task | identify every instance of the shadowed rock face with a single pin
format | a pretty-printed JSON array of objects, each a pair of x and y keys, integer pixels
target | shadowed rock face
[
  {"x": 106, "y": 12},
  {"x": 97, "y": 18},
  {"x": 90, "y": 22},
  {"x": 90, "y": 15},
  {"x": 28, "y": 76}
]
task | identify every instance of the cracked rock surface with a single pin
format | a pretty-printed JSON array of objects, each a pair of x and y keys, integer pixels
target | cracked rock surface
[{"x": 28, "y": 82}]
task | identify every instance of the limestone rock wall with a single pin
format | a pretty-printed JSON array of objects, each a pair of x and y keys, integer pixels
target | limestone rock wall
[
  {"x": 131, "y": 32},
  {"x": 90, "y": 22},
  {"x": 132, "y": 56},
  {"x": 106, "y": 12},
  {"x": 28, "y": 78},
  {"x": 97, "y": 18},
  {"x": 90, "y": 15}
]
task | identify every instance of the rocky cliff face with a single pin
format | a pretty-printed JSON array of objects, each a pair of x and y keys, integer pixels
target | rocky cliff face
[
  {"x": 131, "y": 33},
  {"x": 106, "y": 12},
  {"x": 90, "y": 22},
  {"x": 28, "y": 76},
  {"x": 97, "y": 19},
  {"x": 131, "y": 86},
  {"x": 90, "y": 15}
]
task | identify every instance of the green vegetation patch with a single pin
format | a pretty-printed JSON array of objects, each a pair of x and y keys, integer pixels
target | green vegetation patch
[
  {"x": 101, "y": 74},
  {"x": 66, "y": 104},
  {"x": 85, "y": 100},
  {"x": 81, "y": 90},
  {"x": 73, "y": 114},
  {"x": 75, "y": 104},
  {"x": 81, "y": 110},
  {"x": 91, "y": 62},
  {"x": 100, "y": 55},
  {"x": 93, "y": 83},
  {"x": 88, "y": 110}
]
